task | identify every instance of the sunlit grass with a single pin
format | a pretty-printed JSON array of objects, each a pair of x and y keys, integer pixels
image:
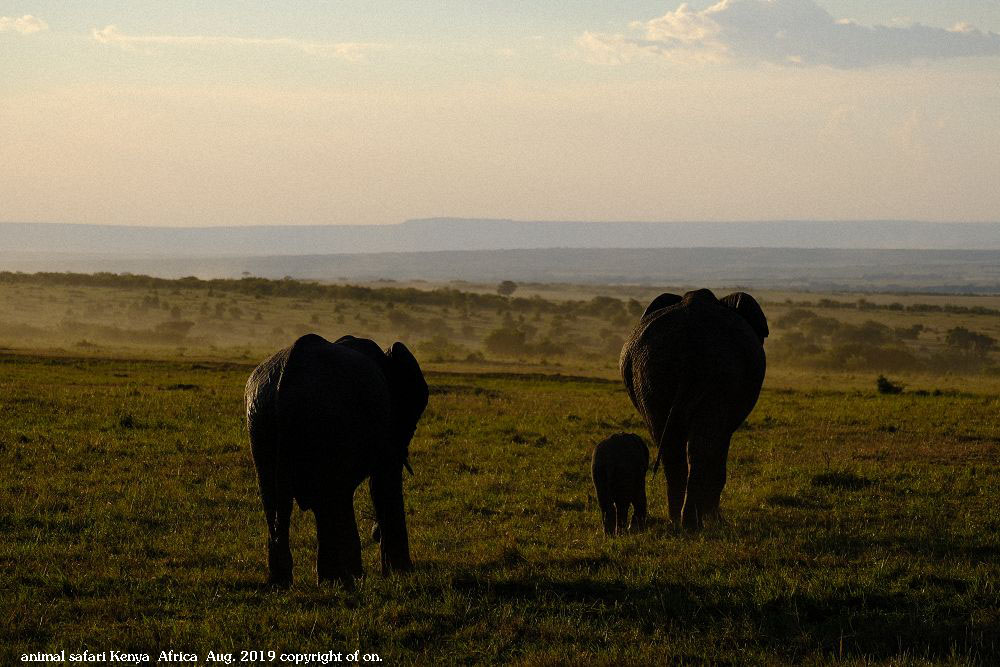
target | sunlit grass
[{"x": 857, "y": 525}]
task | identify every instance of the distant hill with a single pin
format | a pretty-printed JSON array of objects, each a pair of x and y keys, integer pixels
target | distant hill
[
  {"x": 439, "y": 234},
  {"x": 970, "y": 271},
  {"x": 952, "y": 257}
]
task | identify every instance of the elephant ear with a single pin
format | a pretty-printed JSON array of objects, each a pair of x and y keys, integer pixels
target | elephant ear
[
  {"x": 665, "y": 300},
  {"x": 747, "y": 306},
  {"x": 408, "y": 387}
]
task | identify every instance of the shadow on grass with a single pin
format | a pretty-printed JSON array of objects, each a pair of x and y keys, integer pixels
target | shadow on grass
[{"x": 934, "y": 622}]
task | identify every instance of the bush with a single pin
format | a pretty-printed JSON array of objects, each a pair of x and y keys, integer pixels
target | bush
[
  {"x": 605, "y": 307},
  {"x": 909, "y": 333},
  {"x": 870, "y": 333},
  {"x": 795, "y": 317},
  {"x": 886, "y": 386},
  {"x": 507, "y": 340},
  {"x": 963, "y": 339},
  {"x": 400, "y": 319},
  {"x": 440, "y": 348}
]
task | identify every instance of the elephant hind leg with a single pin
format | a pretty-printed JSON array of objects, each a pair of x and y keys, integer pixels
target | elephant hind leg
[
  {"x": 279, "y": 552},
  {"x": 607, "y": 507},
  {"x": 671, "y": 453},
  {"x": 639, "y": 509},
  {"x": 621, "y": 517},
  {"x": 708, "y": 450},
  {"x": 339, "y": 554},
  {"x": 675, "y": 469},
  {"x": 386, "y": 489}
]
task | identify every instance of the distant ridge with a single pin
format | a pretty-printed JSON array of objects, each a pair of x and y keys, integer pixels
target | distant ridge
[
  {"x": 455, "y": 234},
  {"x": 942, "y": 271}
]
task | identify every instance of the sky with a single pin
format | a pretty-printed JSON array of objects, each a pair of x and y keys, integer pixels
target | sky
[{"x": 232, "y": 113}]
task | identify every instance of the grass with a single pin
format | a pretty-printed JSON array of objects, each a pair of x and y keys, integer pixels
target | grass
[{"x": 859, "y": 526}]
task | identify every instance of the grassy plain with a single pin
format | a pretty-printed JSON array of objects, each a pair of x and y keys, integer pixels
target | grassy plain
[{"x": 859, "y": 527}]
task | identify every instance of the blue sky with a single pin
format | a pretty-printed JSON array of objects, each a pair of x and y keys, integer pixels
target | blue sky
[{"x": 187, "y": 113}]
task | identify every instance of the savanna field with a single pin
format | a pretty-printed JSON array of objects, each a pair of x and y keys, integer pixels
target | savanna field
[{"x": 860, "y": 525}]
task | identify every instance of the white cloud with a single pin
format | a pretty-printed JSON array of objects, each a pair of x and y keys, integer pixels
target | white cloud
[
  {"x": 25, "y": 25},
  {"x": 788, "y": 32},
  {"x": 351, "y": 51}
]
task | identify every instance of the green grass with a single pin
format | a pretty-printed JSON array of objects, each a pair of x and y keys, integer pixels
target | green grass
[{"x": 858, "y": 526}]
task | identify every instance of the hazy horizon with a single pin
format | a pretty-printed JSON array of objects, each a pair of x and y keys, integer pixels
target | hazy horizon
[
  {"x": 144, "y": 113},
  {"x": 568, "y": 221}
]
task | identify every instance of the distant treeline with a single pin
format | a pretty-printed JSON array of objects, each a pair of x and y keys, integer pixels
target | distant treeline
[
  {"x": 446, "y": 297},
  {"x": 601, "y": 306},
  {"x": 864, "y": 304}
]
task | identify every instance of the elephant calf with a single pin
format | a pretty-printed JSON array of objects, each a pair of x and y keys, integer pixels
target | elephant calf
[{"x": 619, "y": 471}]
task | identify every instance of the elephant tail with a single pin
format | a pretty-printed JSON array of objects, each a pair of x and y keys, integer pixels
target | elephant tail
[
  {"x": 675, "y": 427},
  {"x": 668, "y": 434}
]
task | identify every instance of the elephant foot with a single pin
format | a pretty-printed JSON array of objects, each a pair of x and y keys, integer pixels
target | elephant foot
[
  {"x": 696, "y": 520},
  {"x": 691, "y": 519},
  {"x": 348, "y": 581},
  {"x": 279, "y": 569},
  {"x": 403, "y": 565},
  {"x": 637, "y": 526},
  {"x": 342, "y": 573}
]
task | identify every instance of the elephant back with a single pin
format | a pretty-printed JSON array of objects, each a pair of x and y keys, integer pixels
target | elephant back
[
  {"x": 665, "y": 300},
  {"x": 333, "y": 402},
  {"x": 678, "y": 351}
]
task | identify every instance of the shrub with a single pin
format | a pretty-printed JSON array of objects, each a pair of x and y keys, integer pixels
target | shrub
[
  {"x": 440, "y": 348},
  {"x": 840, "y": 479},
  {"x": 795, "y": 317},
  {"x": 909, "y": 333},
  {"x": 507, "y": 340},
  {"x": 400, "y": 319},
  {"x": 886, "y": 386},
  {"x": 870, "y": 333},
  {"x": 963, "y": 339}
]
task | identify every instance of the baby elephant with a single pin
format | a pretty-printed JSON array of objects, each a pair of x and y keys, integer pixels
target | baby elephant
[{"x": 619, "y": 471}]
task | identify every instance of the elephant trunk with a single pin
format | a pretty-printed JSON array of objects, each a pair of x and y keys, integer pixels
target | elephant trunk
[{"x": 387, "y": 496}]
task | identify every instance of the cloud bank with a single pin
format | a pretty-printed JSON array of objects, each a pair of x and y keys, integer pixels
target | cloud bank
[
  {"x": 786, "y": 32},
  {"x": 351, "y": 51},
  {"x": 26, "y": 25}
]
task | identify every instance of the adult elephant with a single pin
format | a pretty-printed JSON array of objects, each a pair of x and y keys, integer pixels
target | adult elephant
[
  {"x": 693, "y": 367},
  {"x": 323, "y": 417}
]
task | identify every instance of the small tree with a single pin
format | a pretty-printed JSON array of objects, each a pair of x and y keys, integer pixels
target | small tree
[{"x": 506, "y": 288}]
